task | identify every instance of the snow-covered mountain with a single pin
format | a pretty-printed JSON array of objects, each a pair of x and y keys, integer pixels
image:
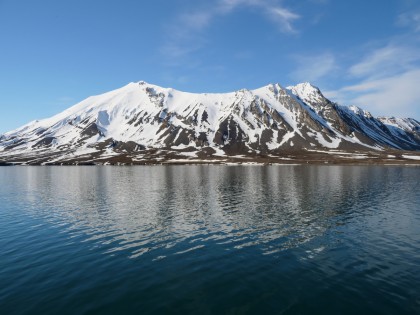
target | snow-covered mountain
[{"x": 141, "y": 121}]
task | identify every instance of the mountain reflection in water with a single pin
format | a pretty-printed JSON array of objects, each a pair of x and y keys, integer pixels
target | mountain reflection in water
[{"x": 272, "y": 238}]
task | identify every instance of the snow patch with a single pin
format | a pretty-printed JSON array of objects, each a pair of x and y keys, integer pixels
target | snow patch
[{"x": 411, "y": 157}]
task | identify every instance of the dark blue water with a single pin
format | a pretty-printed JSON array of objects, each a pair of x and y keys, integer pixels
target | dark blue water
[{"x": 210, "y": 240}]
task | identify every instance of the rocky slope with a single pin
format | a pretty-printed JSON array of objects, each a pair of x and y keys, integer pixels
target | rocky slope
[{"x": 145, "y": 123}]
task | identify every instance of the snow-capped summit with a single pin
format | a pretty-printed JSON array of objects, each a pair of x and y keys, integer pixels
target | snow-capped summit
[
  {"x": 140, "y": 118},
  {"x": 307, "y": 92}
]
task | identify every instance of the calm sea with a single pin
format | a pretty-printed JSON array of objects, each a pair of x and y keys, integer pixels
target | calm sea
[{"x": 210, "y": 240}]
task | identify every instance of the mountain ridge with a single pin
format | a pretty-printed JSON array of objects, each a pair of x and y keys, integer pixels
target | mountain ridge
[{"x": 142, "y": 122}]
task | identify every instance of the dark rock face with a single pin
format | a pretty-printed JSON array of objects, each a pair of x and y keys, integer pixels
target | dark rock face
[
  {"x": 146, "y": 120},
  {"x": 90, "y": 131},
  {"x": 47, "y": 141}
]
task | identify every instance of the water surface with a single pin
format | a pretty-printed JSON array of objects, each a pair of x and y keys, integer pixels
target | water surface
[{"x": 210, "y": 240}]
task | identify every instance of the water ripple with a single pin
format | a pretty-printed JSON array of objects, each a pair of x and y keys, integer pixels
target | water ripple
[{"x": 352, "y": 228}]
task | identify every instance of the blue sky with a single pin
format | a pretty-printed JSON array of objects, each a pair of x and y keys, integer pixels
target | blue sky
[{"x": 55, "y": 53}]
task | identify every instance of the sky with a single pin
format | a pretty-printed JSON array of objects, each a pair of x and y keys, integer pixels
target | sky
[{"x": 53, "y": 54}]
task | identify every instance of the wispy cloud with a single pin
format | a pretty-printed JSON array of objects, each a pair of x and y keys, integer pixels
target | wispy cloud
[
  {"x": 387, "y": 96},
  {"x": 272, "y": 9},
  {"x": 184, "y": 35},
  {"x": 283, "y": 17},
  {"x": 385, "y": 80},
  {"x": 385, "y": 61},
  {"x": 410, "y": 19},
  {"x": 314, "y": 67}
]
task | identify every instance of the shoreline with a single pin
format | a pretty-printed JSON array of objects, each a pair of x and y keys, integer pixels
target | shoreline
[
  {"x": 224, "y": 163},
  {"x": 189, "y": 157}
]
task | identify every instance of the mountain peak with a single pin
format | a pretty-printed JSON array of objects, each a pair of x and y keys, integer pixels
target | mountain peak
[
  {"x": 307, "y": 92},
  {"x": 359, "y": 111},
  {"x": 305, "y": 88},
  {"x": 142, "y": 120}
]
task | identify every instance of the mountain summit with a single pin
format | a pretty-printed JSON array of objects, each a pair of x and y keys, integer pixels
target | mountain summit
[{"x": 141, "y": 123}]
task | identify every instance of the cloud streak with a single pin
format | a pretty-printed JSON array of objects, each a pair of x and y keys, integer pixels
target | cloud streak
[
  {"x": 384, "y": 80},
  {"x": 410, "y": 20},
  {"x": 385, "y": 61},
  {"x": 388, "y": 96},
  {"x": 184, "y": 36},
  {"x": 312, "y": 68}
]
